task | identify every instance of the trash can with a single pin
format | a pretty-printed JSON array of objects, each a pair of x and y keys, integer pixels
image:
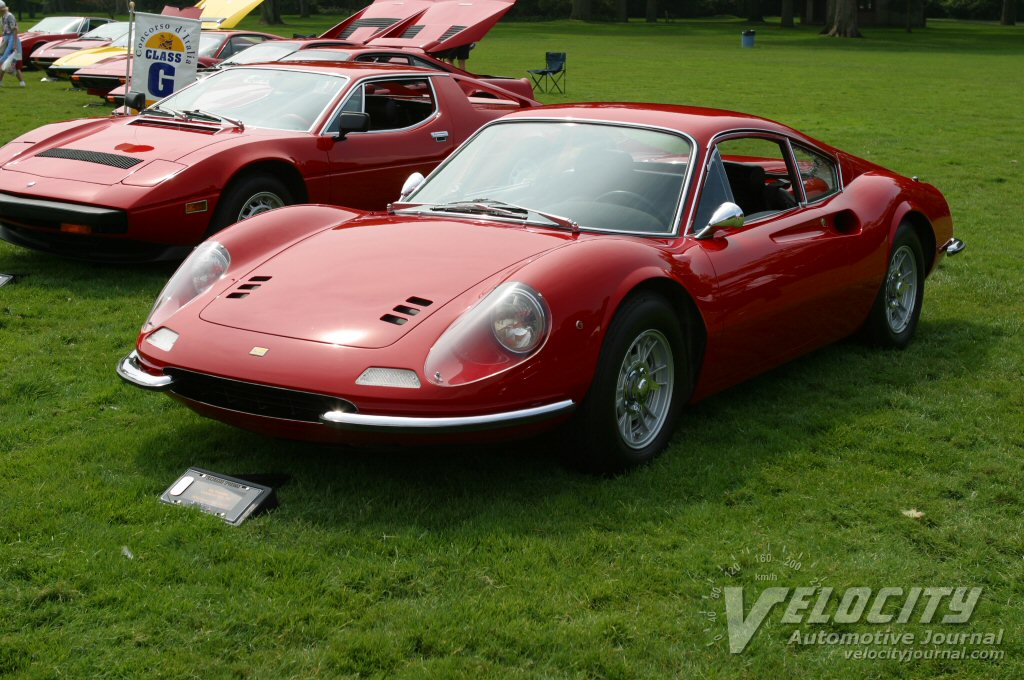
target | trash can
[{"x": 748, "y": 37}]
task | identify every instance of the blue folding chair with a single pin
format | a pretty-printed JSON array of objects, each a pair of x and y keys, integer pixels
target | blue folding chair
[{"x": 552, "y": 76}]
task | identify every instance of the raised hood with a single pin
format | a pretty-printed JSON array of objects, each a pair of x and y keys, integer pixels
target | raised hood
[
  {"x": 429, "y": 25},
  {"x": 225, "y": 13},
  {"x": 83, "y": 58},
  {"x": 341, "y": 286},
  {"x": 111, "y": 153}
]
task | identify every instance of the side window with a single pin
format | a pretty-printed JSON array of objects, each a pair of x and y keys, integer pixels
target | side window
[
  {"x": 354, "y": 104},
  {"x": 716, "y": 192},
  {"x": 760, "y": 178},
  {"x": 818, "y": 173},
  {"x": 399, "y": 103}
]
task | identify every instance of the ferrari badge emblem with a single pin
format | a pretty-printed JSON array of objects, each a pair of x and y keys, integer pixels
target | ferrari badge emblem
[{"x": 259, "y": 351}]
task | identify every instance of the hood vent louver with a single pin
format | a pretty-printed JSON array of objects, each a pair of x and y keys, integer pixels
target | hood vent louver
[
  {"x": 111, "y": 159},
  {"x": 243, "y": 290},
  {"x": 451, "y": 32},
  {"x": 410, "y": 308},
  {"x": 362, "y": 23}
]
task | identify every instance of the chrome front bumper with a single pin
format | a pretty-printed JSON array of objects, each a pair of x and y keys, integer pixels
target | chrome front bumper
[
  {"x": 131, "y": 371},
  {"x": 361, "y": 422},
  {"x": 953, "y": 246}
]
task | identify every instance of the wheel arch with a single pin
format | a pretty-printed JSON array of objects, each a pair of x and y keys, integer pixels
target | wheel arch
[
  {"x": 280, "y": 169},
  {"x": 923, "y": 229}
]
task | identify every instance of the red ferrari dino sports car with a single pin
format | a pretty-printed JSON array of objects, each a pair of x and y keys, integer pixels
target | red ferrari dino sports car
[
  {"x": 603, "y": 264},
  {"x": 243, "y": 141}
]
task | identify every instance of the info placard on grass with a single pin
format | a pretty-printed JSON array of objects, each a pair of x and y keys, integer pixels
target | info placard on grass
[{"x": 233, "y": 500}]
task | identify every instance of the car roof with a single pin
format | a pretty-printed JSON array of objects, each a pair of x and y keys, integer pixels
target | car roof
[{"x": 702, "y": 124}]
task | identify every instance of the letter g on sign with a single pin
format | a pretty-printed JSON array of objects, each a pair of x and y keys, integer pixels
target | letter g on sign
[{"x": 161, "y": 80}]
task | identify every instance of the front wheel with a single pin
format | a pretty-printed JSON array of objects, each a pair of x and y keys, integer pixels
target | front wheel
[
  {"x": 643, "y": 377},
  {"x": 897, "y": 309},
  {"x": 247, "y": 197}
]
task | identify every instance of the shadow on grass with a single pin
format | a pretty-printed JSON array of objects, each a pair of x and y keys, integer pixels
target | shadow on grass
[
  {"x": 520, "y": 486},
  {"x": 54, "y": 274}
]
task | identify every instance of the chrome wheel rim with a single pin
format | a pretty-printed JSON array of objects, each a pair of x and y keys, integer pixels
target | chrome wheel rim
[
  {"x": 901, "y": 289},
  {"x": 259, "y": 203},
  {"x": 643, "y": 392}
]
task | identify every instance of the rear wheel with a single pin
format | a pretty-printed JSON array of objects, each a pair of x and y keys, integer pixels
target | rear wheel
[
  {"x": 247, "y": 197},
  {"x": 897, "y": 309},
  {"x": 643, "y": 376}
]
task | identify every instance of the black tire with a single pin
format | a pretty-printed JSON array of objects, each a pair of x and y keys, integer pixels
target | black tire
[
  {"x": 594, "y": 440},
  {"x": 242, "y": 198},
  {"x": 897, "y": 308}
]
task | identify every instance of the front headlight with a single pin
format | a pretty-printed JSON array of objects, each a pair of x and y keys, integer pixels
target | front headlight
[
  {"x": 501, "y": 331},
  {"x": 204, "y": 267}
]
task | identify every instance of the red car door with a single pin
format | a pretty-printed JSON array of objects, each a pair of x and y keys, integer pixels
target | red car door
[
  {"x": 410, "y": 131},
  {"x": 796, "y": 277}
]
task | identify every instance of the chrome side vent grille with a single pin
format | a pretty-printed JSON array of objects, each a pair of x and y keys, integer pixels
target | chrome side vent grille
[
  {"x": 112, "y": 159},
  {"x": 243, "y": 290},
  {"x": 412, "y": 307}
]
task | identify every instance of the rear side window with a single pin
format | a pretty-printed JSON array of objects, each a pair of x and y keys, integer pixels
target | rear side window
[{"x": 818, "y": 173}]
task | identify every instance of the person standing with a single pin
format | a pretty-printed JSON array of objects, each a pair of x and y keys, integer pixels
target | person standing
[{"x": 11, "y": 45}]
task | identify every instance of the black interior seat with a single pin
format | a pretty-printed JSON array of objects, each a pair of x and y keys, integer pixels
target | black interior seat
[{"x": 748, "y": 188}]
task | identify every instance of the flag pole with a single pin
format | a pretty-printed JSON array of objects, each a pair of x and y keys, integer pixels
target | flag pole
[{"x": 128, "y": 61}]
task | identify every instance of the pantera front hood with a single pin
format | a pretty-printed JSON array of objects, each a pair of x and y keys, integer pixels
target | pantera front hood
[
  {"x": 368, "y": 283},
  {"x": 108, "y": 155}
]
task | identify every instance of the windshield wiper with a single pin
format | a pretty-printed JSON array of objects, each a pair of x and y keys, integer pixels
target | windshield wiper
[
  {"x": 157, "y": 111},
  {"x": 197, "y": 114},
  {"x": 490, "y": 206}
]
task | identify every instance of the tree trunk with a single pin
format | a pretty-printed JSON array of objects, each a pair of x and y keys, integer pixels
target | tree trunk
[
  {"x": 304, "y": 9},
  {"x": 910, "y": 16},
  {"x": 787, "y": 14},
  {"x": 621, "y": 10},
  {"x": 830, "y": 16},
  {"x": 1009, "y": 16},
  {"x": 845, "y": 24},
  {"x": 270, "y": 13},
  {"x": 754, "y": 13},
  {"x": 651, "y": 13},
  {"x": 580, "y": 10}
]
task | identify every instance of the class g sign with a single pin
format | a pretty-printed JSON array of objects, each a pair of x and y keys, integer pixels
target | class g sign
[{"x": 165, "y": 52}]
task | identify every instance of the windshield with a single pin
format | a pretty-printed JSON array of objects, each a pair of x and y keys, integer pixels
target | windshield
[
  {"x": 111, "y": 31},
  {"x": 268, "y": 51},
  {"x": 603, "y": 177},
  {"x": 267, "y": 98},
  {"x": 58, "y": 25},
  {"x": 209, "y": 43}
]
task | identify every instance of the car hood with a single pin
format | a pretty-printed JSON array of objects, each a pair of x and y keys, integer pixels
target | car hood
[
  {"x": 355, "y": 285},
  {"x": 88, "y": 57},
  {"x": 109, "y": 154},
  {"x": 66, "y": 46},
  {"x": 429, "y": 25}
]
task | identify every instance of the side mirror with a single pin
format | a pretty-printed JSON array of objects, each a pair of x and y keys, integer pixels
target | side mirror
[
  {"x": 135, "y": 100},
  {"x": 726, "y": 216},
  {"x": 412, "y": 184},
  {"x": 349, "y": 121}
]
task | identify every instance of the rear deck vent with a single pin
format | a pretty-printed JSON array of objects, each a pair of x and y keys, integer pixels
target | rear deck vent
[
  {"x": 412, "y": 31},
  {"x": 403, "y": 309},
  {"x": 451, "y": 32},
  {"x": 419, "y": 302},
  {"x": 237, "y": 296},
  {"x": 361, "y": 23},
  {"x": 261, "y": 279},
  {"x": 111, "y": 159},
  {"x": 249, "y": 286},
  {"x": 397, "y": 320}
]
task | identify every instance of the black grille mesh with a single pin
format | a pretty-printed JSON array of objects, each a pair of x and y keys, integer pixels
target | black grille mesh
[
  {"x": 113, "y": 160},
  {"x": 261, "y": 400},
  {"x": 360, "y": 23}
]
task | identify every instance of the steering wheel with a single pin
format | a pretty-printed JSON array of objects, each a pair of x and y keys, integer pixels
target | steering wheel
[
  {"x": 629, "y": 199},
  {"x": 294, "y": 121}
]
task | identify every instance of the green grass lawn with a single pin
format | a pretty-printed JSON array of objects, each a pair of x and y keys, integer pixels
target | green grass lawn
[{"x": 494, "y": 561}]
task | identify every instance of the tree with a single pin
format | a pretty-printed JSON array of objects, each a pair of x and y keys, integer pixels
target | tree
[
  {"x": 621, "y": 10},
  {"x": 787, "y": 14},
  {"x": 1009, "y": 16},
  {"x": 844, "y": 20},
  {"x": 651, "y": 11},
  {"x": 580, "y": 10},
  {"x": 753, "y": 11},
  {"x": 270, "y": 13}
]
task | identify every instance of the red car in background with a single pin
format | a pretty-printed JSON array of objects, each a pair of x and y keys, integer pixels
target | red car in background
[
  {"x": 100, "y": 36},
  {"x": 604, "y": 264},
  {"x": 214, "y": 46},
  {"x": 55, "y": 28},
  {"x": 240, "y": 142}
]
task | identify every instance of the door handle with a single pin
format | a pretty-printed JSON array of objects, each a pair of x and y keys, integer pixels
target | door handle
[{"x": 440, "y": 136}]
